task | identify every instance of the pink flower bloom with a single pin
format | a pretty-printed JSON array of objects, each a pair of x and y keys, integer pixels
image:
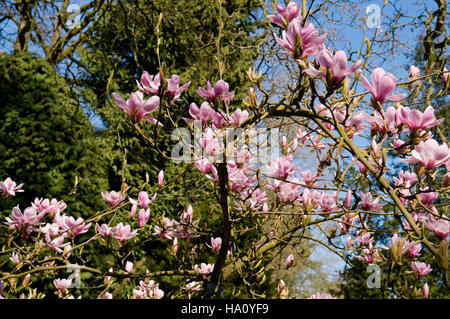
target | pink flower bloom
[
  {"x": 9, "y": 188},
  {"x": 209, "y": 142},
  {"x": 105, "y": 230},
  {"x": 50, "y": 230},
  {"x": 218, "y": 93},
  {"x": 289, "y": 261},
  {"x": 429, "y": 154},
  {"x": 414, "y": 72},
  {"x": 123, "y": 233},
  {"x": 368, "y": 204},
  {"x": 428, "y": 198},
  {"x": 364, "y": 238},
  {"x": 421, "y": 268},
  {"x": 57, "y": 244},
  {"x": 282, "y": 167},
  {"x": 30, "y": 217},
  {"x": 62, "y": 284},
  {"x": 308, "y": 177},
  {"x": 337, "y": 65},
  {"x": 173, "y": 89},
  {"x": 204, "y": 269},
  {"x": 15, "y": 258},
  {"x": 113, "y": 198},
  {"x": 49, "y": 206},
  {"x": 288, "y": 192},
  {"x": 382, "y": 85},
  {"x": 348, "y": 198},
  {"x": 129, "y": 267},
  {"x": 283, "y": 290},
  {"x": 417, "y": 120},
  {"x": 310, "y": 40},
  {"x": 161, "y": 178},
  {"x": 405, "y": 179},
  {"x": 239, "y": 117},
  {"x": 137, "y": 108},
  {"x": 379, "y": 123},
  {"x": 426, "y": 291},
  {"x": 327, "y": 202},
  {"x": 70, "y": 225},
  {"x": 216, "y": 243},
  {"x": 143, "y": 202},
  {"x": 107, "y": 295},
  {"x": 143, "y": 216},
  {"x": 149, "y": 84},
  {"x": 286, "y": 14},
  {"x": 204, "y": 113},
  {"x": 440, "y": 228},
  {"x": 320, "y": 295},
  {"x": 414, "y": 251}
]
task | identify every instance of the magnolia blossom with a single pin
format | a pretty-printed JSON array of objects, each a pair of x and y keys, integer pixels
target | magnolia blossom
[
  {"x": 113, "y": 198},
  {"x": 204, "y": 269},
  {"x": 137, "y": 108},
  {"x": 414, "y": 251},
  {"x": 286, "y": 14},
  {"x": 337, "y": 66},
  {"x": 143, "y": 216},
  {"x": 149, "y": 84},
  {"x": 30, "y": 217},
  {"x": 429, "y": 154},
  {"x": 9, "y": 188},
  {"x": 239, "y": 117},
  {"x": 129, "y": 267},
  {"x": 416, "y": 120},
  {"x": 174, "y": 89},
  {"x": 217, "y": 93},
  {"x": 143, "y": 202},
  {"x": 426, "y": 291},
  {"x": 123, "y": 233},
  {"x": 289, "y": 260},
  {"x": 62, "y": 284},
  {"x": 283, "y": 290},
  {"x": 308, "y": 177},
  {"x": 414, "y": 72},
  {"x": 310, "y": 41},
  {"x": 421, "y": 268},
  {"x": 382, "y": 85},
  {"x": 216, "y": 243},
  {"x": 439, "y": 228},
  {"x": 368, "y": 204},
  {"x": 107, "y": 295},
  {"x": 105, "y": 230},
  {"x": 161, "y": 178},
  {"x": 405, "y": 179},
  {"x": 70, "y": 225},
  {"x": 48, "y": 206},
  {"x": 282, "y": 167}
]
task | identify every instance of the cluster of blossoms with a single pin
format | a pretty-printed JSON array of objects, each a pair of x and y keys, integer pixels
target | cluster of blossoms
[{"x": 247, "y": 188}]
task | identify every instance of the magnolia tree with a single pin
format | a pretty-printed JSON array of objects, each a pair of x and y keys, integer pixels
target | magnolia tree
[{"x": 259, "y": 186}]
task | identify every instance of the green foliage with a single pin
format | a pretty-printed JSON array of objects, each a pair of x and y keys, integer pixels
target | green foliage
[{"x": 46, "y": 141}]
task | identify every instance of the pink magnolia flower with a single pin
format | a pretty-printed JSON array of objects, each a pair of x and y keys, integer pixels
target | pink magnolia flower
[
  {"x": 439, "y": 228},
  {"x": 288, "y": 191},
  {"x": 174, "y": 89},
  {"x": 310, "y": 40},
  {"x": 149, "y": 84},
  {"x": 57, "y": 244},
  {"x": 370, "y": 255},
  {"x": 421, "y": 268},
  {"x": 414, "y": 72},
  {"x": 107, "y": 295},
  {"x": 364, "y": 238},
  {"x": 348, "y": 198},
  {"x": 203, "y": 114},
  {"x": 216, "y": 243},
  {"x": 137, "y": 108},
  {"x": 70, "y": 225},
  {"x": 426, "y": 291},
  {"x": 204, "y": 269},
  {"x": 15, "y": 258},
  {"x": 123, "y": 233},
  {"x": 368, "y": 203},
  {"x": 416, "y": 120},
  {"x": 143, "y": 202},
  {"x": 405, "y": 179},
  {"x": 129, "y": 267},
  {"x": 282, "y": 167},
  {"x": 382, "y": 85},
  {"x": 30, "y": 217},
  {"x": 429, "y": 154},
  {"x": 239, "y": 117},
  {"x": 327, "y": 202},
  {"x": 414, "y": 251},
  {"x": 286, "y": 14},
  {"x": 308, "y": 177},
  {"x": 337, "y": 65},
  {"x": 143, "y": 216},
  {"x": 283, "y": 290},
  {"x": 50, "y": 230},
  {"x": 9, "y": 188},
  {"x": 217, "y": 93},
  {"x": 161, "y": 178},
  {"x": 49, "y": 206},
  {"x": 105, "y": 230},
  {"x": 209, "y": 142},
  {"x": 62, "y": 284},
  {"x": 113, "y": 198},
  {"x": 289, "y": 260},
  {"x": 427, "y": 197},
  {"x": 379, "y": 123},
  {"x": 320, "y": 295}
]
